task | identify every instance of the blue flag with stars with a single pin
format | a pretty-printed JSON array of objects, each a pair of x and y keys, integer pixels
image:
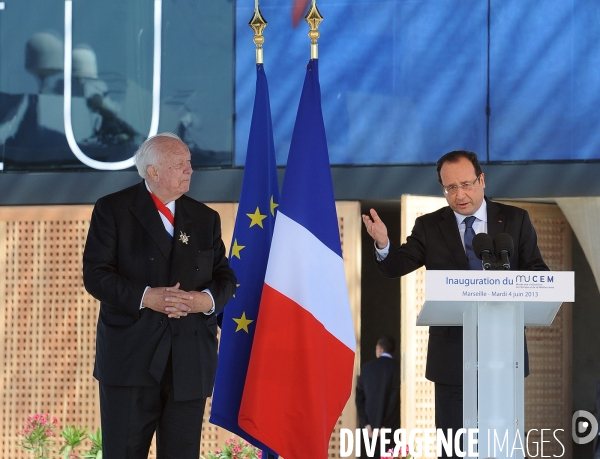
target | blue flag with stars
[{"x": 248, "y": 257}]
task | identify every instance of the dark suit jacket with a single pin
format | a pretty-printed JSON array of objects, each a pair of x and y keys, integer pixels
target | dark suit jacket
[
  {"x": 127, "y": 249},
  {"x": 436, "y": 244},
  {"x": 378, "y": 394}
]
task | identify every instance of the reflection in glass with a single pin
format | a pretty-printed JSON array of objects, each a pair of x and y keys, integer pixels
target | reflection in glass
[
  {"x": 108, "y": 129},
  {"x": 111, "y": 81}
]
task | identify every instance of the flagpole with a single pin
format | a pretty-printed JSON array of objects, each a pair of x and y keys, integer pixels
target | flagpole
[
  {"x": 314, "y": 18},
  {"x": 258, "y": 24}
]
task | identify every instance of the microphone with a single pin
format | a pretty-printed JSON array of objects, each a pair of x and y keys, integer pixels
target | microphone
[
  {"x": 483, "y": 248},
  {"x": 504, "y": 248}
]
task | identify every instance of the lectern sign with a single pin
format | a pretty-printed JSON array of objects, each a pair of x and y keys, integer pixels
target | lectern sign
[
  {"x": 493, "y": 307},
  {"x": 534, "y": 286}
]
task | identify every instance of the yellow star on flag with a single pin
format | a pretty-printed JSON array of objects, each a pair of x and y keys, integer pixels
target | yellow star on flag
[
  {"x": 242, "y": 323},
  {"x": 273, "y": 206},
  {"x": 256, "y": 218},
  {"x": 235, "y": 250}
]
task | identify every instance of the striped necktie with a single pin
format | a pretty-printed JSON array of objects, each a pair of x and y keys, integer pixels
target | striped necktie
[
  {"x": 474, "y": 262},
  {"x": 164, "y": 210}
]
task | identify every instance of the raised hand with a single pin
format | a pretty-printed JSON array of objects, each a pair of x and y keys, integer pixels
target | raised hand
[{"x": 376, "y": 229}]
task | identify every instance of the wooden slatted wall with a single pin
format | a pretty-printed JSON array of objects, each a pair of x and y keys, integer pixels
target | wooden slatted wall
[{"x": 48, "y": 320}]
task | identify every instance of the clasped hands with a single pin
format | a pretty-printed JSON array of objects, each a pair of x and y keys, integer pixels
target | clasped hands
[{"x": 175, "y": 302}]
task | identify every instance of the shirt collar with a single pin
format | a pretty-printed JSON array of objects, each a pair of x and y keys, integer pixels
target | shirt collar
[
  {"x": 480, "y": 214},
  {"x": 170, "y": 205},
  {"x": 385, "y": 354}
]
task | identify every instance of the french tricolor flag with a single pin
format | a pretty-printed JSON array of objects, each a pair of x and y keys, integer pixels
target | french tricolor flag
[{"x": 300, "y": 371}]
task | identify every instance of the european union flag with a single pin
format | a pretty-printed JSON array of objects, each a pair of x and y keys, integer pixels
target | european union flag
[{"x": 248, "y": 257}]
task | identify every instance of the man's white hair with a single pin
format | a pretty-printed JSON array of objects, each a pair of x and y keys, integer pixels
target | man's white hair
[{"x": 147, "y": 154}]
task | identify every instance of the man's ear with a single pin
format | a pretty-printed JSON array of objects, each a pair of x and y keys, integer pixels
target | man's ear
[{"x": 152, "y": 172}]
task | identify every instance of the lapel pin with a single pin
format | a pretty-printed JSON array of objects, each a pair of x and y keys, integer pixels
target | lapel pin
[{"x": 183, "y": 237}]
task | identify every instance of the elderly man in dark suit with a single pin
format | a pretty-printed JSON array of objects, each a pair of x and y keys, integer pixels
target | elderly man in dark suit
[
  {"x": 438, "y": 242},
  {"x": 155, "y": 260},
  {"x": 378, "y": 393}
]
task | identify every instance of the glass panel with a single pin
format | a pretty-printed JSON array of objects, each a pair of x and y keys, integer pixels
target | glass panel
[
  {"x": 401, "y": 81},
  {"x": 405, "y": 81},
  {"x": 545, "y": 84},
  {"x": 113, "y": 79}
]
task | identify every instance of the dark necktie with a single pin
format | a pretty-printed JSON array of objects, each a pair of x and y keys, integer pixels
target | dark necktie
[{"x": 474, "y": 262}]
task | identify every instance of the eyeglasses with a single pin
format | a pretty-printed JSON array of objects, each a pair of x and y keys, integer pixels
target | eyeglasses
[{"x": 453, "y": 189}]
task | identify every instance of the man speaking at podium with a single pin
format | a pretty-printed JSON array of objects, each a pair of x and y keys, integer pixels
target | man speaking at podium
[{"x": 437, "y": 241}]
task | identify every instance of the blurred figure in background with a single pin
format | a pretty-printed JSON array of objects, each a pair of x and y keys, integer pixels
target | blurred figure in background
[{"x": 378, "y": 393}]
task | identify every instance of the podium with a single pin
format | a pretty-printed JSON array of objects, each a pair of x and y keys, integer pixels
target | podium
[{"x": 493, "y": 307}]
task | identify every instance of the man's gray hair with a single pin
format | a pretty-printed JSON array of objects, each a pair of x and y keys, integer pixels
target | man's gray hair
[{"x": 147, "y": 154}]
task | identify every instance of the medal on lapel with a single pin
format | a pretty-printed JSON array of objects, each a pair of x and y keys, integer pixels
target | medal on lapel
[{"x": 183, "y": 237}]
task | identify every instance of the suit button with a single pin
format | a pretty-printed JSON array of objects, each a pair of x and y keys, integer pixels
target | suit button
[
  {"x": 197, "y": 268},
  {"x": 160, "y": 322},
  {"x": 151, "y": 258}
]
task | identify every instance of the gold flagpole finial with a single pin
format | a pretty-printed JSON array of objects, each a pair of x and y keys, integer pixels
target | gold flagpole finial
[
  {"x": 258, "y": 24},
  {"x": 314, "y": 18}
]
